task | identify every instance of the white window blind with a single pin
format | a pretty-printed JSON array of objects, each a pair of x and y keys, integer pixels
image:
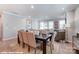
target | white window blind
[
  {"x": 61, "y": 24},
  {"x": 43, "y": 25},
  {"x": 51, "y": 25}
]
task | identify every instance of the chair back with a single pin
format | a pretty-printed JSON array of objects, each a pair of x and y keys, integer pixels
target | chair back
[
  {"x": 43, "y": 31},
  {"x": 36, "y": 32},
  {"x": 53, "y": 36},
  {"x": 24, "y": 37},
  {"x": 31, "y": 39},
  {"x": 20, "y": 35}
]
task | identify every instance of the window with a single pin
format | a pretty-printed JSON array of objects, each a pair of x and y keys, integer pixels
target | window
[
  {"x": 51, "y": 25},
  {"x": 47, "y": 25},
  {"x": 43, "y": 25},
  {"x": 61, "y": 24}
]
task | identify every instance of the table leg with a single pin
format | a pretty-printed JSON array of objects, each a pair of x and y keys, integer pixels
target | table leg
[
  {"x": 50, "y": 38},
  {"x": 23, "y": 44},
  {"x": 44, "y": 47}
]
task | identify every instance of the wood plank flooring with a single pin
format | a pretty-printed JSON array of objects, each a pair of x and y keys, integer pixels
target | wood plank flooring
[{"x": 11, "y": 46}]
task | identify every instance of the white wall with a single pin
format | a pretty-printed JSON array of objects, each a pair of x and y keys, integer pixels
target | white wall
[
  {"x": 77, "y": 20},
  {"x": 0, "y": 28},
  {"x": 73, "y": 20},
  {"x": 11, "y": 24},
  {"x": 70, "y": 25}
]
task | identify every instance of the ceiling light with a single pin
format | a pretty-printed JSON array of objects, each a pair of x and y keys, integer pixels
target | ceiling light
[
  {"x": 32, "y": 6},
  {"x": 62, "y": 8}
]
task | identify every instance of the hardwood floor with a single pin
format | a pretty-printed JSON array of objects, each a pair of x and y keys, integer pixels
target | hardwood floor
[{"x": 11, "y": 46}]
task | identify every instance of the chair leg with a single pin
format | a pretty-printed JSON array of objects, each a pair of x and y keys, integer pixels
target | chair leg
[
  {"x": 23, "y": 45},
  {"x": 28, "y": 48},
  {"x": 51, "y": 47},
  {"x": 35, "y": 50},
  {"x": 41, "y": 47}
]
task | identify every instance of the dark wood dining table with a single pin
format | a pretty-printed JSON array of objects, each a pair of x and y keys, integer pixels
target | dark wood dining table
[{"x": 44, "y": 38}]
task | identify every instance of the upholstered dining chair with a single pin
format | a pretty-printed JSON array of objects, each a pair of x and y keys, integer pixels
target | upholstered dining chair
[
  {"x": 25, "y": 38},
  {"x": 20, "y": 41},
  {"x": 32, "y": 41},
  {"x": 52, "y": 41}
]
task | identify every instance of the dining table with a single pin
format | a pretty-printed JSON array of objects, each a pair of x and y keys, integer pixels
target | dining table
[{"x": 44, "y": 39}]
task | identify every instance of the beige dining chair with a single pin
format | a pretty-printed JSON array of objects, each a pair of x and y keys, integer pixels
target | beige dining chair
[
  {"x": 25, "y": 38},
  {"x": 20, "y": 37},
  {"x": 52, "y": 41},
  {"x": 32, "y": 41}
]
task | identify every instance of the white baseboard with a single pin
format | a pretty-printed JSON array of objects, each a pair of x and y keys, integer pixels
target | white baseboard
[{"x": 8, "y": 38}]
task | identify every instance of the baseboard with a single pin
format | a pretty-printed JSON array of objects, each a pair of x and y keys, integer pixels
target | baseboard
[
  {"x": 8, "y": 38},
  {"x": 68, "y": 41}
]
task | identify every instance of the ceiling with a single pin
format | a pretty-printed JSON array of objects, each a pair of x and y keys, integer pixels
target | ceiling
[{"x": 39, "y": 10}]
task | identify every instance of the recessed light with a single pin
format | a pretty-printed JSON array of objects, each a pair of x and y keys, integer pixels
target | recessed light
[
  {"x": 62, "y": 8},
  {"x": 32, "y": 6}
]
